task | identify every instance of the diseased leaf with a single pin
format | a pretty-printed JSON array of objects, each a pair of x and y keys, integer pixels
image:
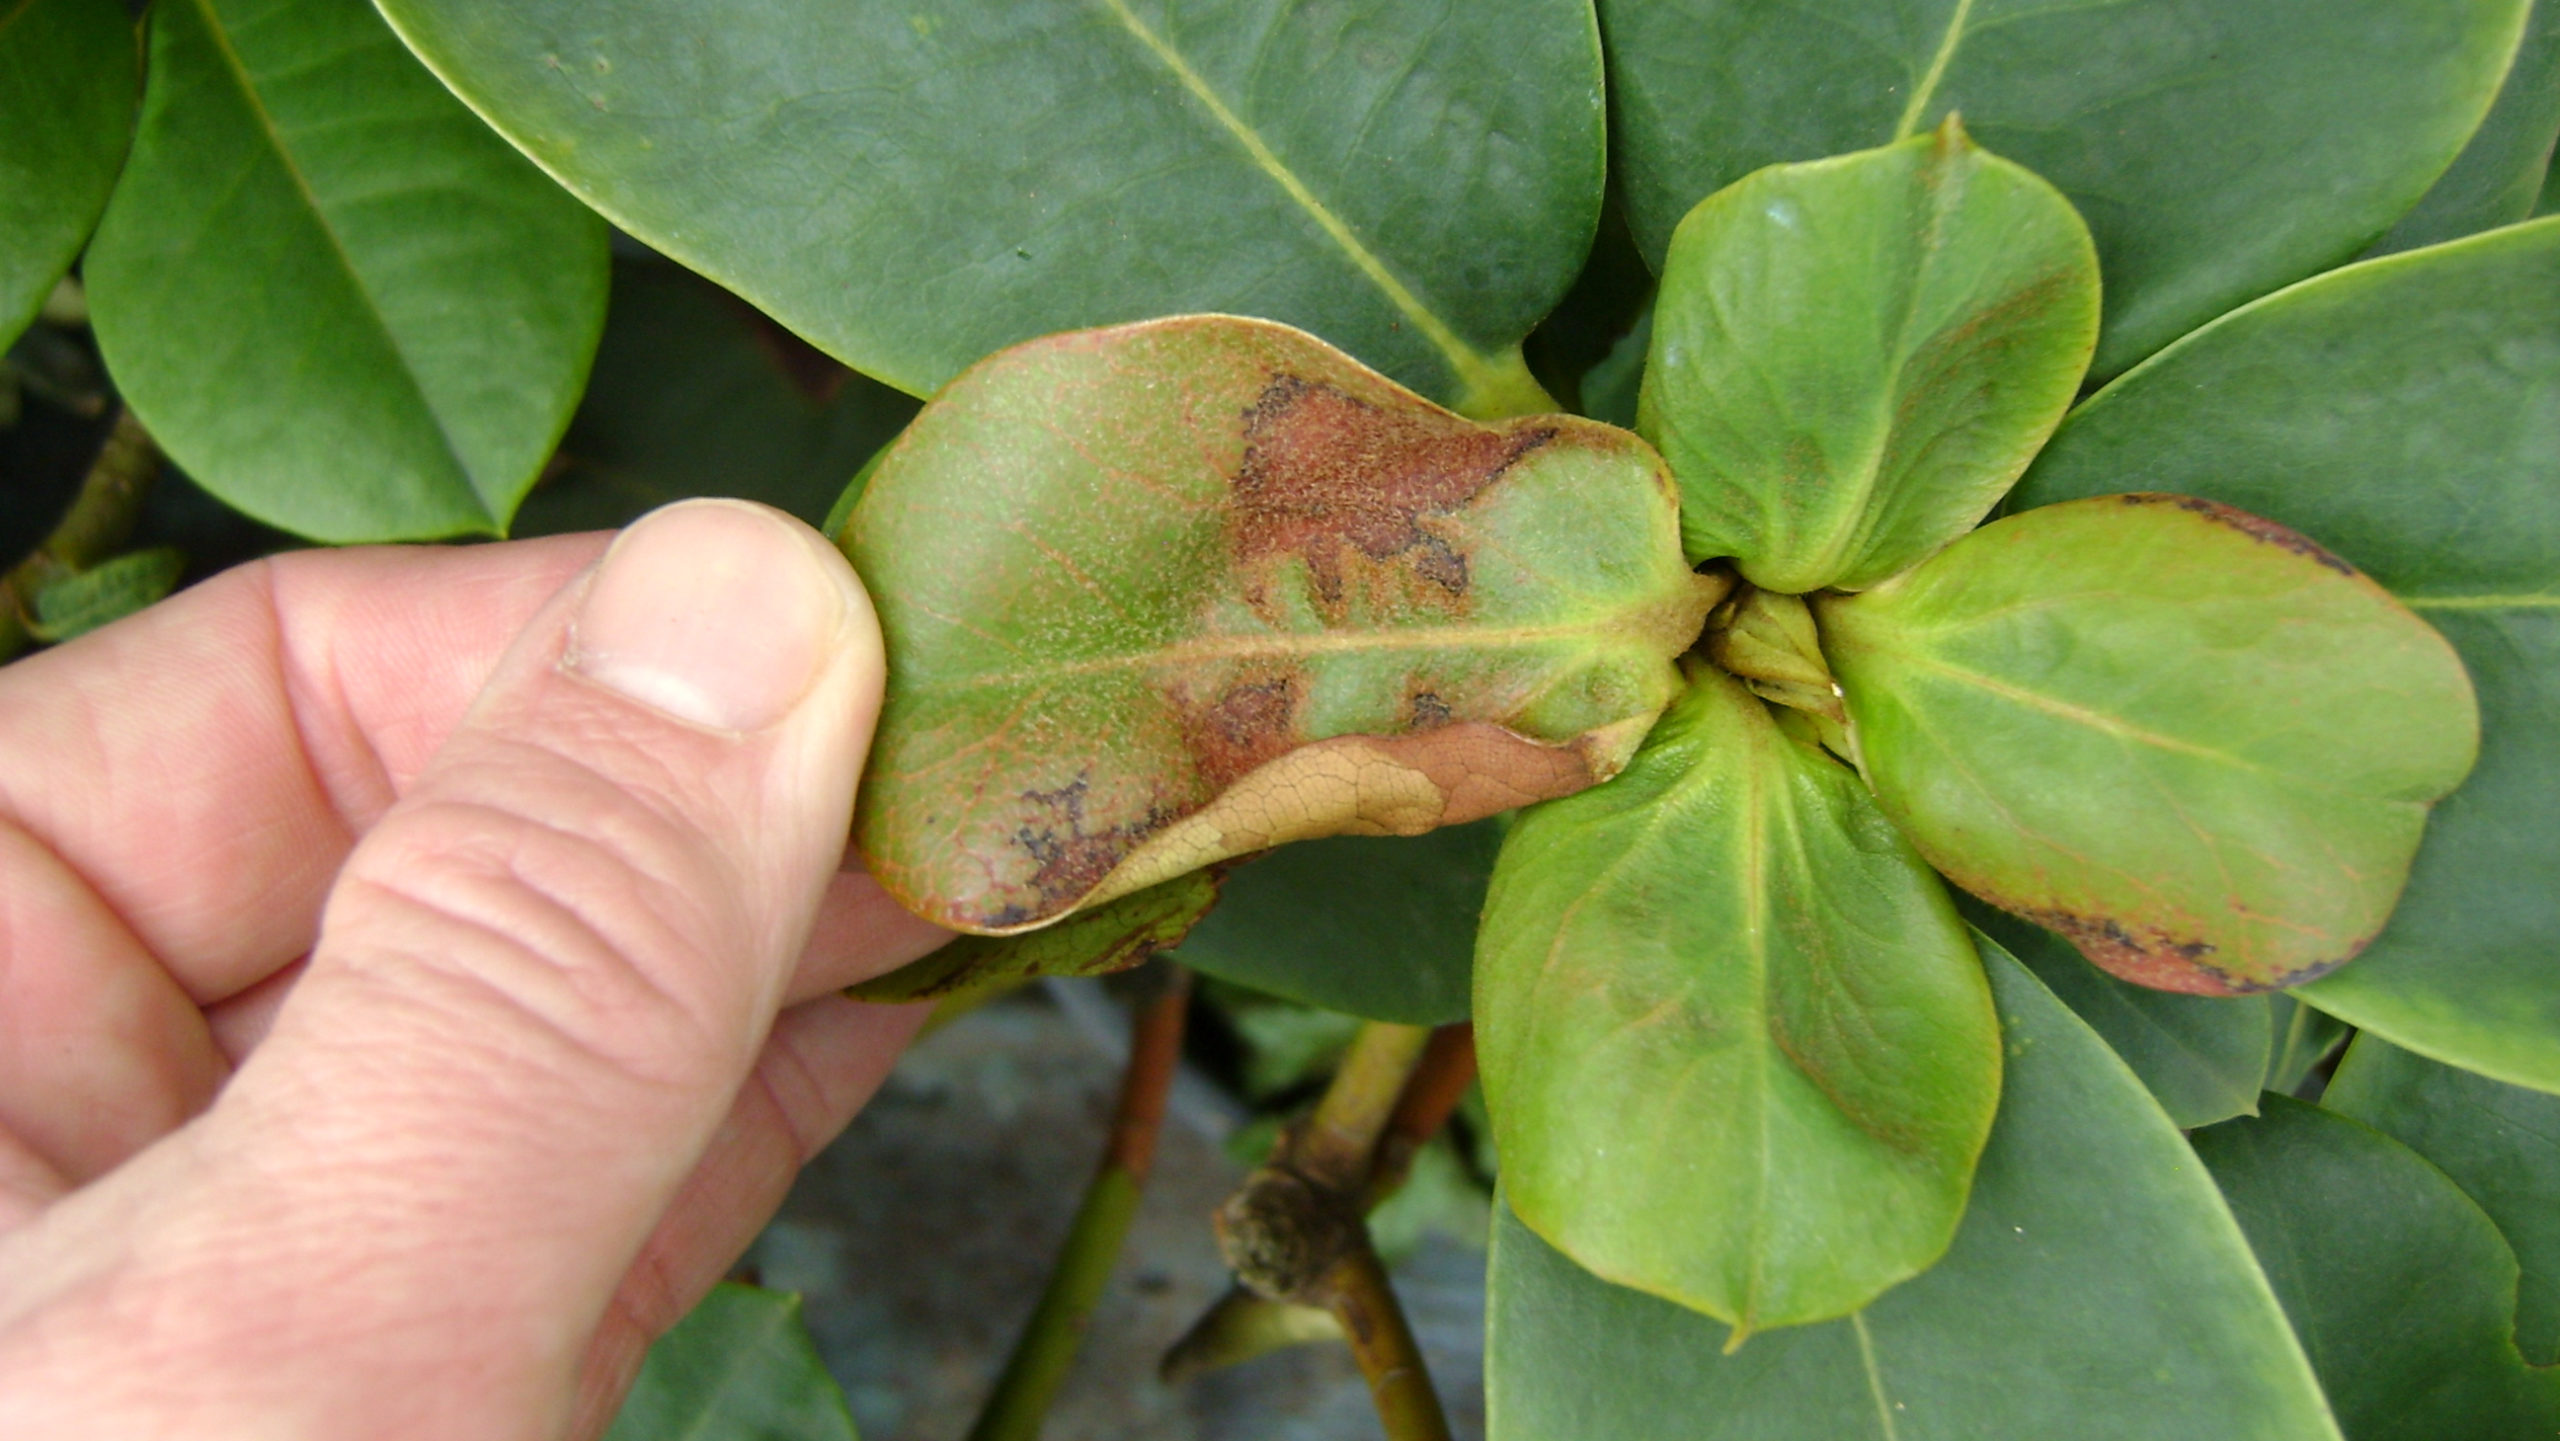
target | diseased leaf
[
  {"x": 694, "y": 393},
  {"x": 1179, "y": 591},
  {"x": 912, "y": 187},
  {"x": 1737, "y": 1046},
  {"x": 1854, "y": 358},
  {"x": 2218, "y": 148},
  {"x": 68, "y": 78},
  {"x": 2098, "y": 1290},
  {"x": 2399, "y": 1286},
  {"x": 335, "y": 298},
  {"x": 2189, "y": 740},
  {"x": 1383, "y": 927},
  {"x": 740, "y": 1366},
  {"x": 2499, "y": 1143},
  {"x": 1110, "y": 937},
  {"x": 2204, "y": 1057},
  {"x": 2405, "y": 413},
  {"x": 2496, "y": 178}
]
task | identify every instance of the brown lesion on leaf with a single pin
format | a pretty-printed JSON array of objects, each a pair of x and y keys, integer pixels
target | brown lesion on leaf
[
  {"x": 1070, "y": 860},
  {"x": 2256, "y": 527},
  {"x": 1251, "y": 723},
  {"x": 1325, "y": 472},
  {"x": 2155, "y": 957}
]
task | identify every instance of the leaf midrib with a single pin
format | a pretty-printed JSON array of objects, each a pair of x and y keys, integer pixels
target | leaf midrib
[
  {"x": 372, "y": 307},
  {"x": 1926, "y": 91},
  {"x": 1629, "y": 620},
  {"x": 1474, "y": 372}
]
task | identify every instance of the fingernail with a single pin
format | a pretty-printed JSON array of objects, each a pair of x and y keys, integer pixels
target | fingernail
[{"x": 713, "y": 611}]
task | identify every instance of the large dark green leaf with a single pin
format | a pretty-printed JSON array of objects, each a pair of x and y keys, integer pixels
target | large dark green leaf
[
  {"x": 2098, "y": 1291},
  {"x": 1381, "y": 927},
  {"x": 694, "y": 393},
  {"x": 2203, "y": 1057},
  {"x": 741, "y": 1367},
  {"x": 2404, "y": 413},
  {"x": 2499, "y": 174},
  {"x": 1853, "y": 359},
  {"x": 2401, "y": 1289},
  {"x": 67, "y": 83},
  {"x": 2500, "y": 1143},
  {"x": 912, "y": 187},
  {"x": 338, "y": 300},
  {"x": 2218, "y": 148},
  {"x": 1173, "y": 592},
  {"x": 2191, "y": 741},
  {"x": 1737, "y": 1046}
]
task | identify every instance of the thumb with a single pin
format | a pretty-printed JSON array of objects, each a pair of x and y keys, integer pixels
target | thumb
[{"x": 540, "y": 982}]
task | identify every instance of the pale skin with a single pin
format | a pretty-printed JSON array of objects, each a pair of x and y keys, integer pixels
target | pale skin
[{"x": 417, "y": 975}]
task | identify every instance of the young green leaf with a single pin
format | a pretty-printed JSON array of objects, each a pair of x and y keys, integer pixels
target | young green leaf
[
  {"x": 912, "y": 187},
  {"x": 81, "y": 602},
  {"x": 68, "y": 78},
  {"x": 2401, "y": 1289},
  {"x": 2191, "y": 741},
  {"x": 2299, "y": 1038},
  {"x": 2405, "y": 411},
  {"x": 1110, "y": 937},
  {"x": 1737, "y": 1046},
  {"x": 2501, "y": 1145},
  {"x": 333, "y": 296},
  {"x": 1854, "y": 358},
  {"x": 2496, "y": 178},
  {"x": 1173, "y": 592},
  {"x": 2204, "y": 1057},
  {"x": 2219, "y": 148},
  {"x": 1382, "y": 927},
  {"x": 741, "y": 1364},
  {"x": 2098, "y": 1291}
]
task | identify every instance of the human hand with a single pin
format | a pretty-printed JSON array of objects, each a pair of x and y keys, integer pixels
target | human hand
[{"x": 391, "y": 947}]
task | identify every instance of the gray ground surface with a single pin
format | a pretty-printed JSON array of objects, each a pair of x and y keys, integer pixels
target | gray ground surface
[{"x": 922, "y": 1237}]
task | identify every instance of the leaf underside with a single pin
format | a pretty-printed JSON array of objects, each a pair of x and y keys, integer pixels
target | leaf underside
[{"x": 1110, "y": 937}]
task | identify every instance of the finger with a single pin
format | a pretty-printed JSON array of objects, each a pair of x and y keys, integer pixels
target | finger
[
  {"x": 540, "y": 981},
  {"x": 860, "y": 933},
  {"x": 202, "y": 768},
  {"x": 821, "y": 1065}
]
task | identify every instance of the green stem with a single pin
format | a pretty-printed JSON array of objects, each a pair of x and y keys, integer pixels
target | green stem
[
  {"x": 1032, "y": 1375},
  {"x": 102, "y": 515},
  {"x": 1500, "y": 387},
  {"x": 1364, "y": 1301}
]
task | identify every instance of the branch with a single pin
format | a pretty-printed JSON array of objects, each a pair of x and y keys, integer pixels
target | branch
[
  {"x": 1020, "y": 1401},
  {"x": 101, "y": 517},
  {"x": 1439, "y": 1083}
]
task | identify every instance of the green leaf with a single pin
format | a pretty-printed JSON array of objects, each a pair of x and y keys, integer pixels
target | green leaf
[
  {"x": 2399, "y": 1286},
  {"x": 1179, "y": 591},
  {"x": 2204, "y": 1057},
  {"x": 1736, "y": 1043},
  {"x": 2300, "y": 1037},
  {"x": 2191, "y": 741},
  {"x": 741, "y": 1367},
  {"x": 2218, "y": 148},
  {"x": 694, "y": 393},
  {"x": 1110, "y": 937},
  {"x": 79, "y": 603},
  {"x": 68, "y": 77},
  {"x": 2499, "y": 174},
  {"x": 1853, "y": 359},
  {"x": 333, "y": 296},
  {"x": 2405, "y": 413},
  {"x": 2097, "y": 1291},
  {"x": 912, "y": 187},
  {"x": 2500, "y": 1143},
  {"x": 1381, "y": 927}
]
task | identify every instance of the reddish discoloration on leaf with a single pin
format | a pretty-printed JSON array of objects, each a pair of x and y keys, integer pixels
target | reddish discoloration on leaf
[
  {"x": 2150, "y": 956},
  {"x": 2255, "y": 527},
  {"x": 1325, "y": 471},
  {"x": 1164, "y": 594}
]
